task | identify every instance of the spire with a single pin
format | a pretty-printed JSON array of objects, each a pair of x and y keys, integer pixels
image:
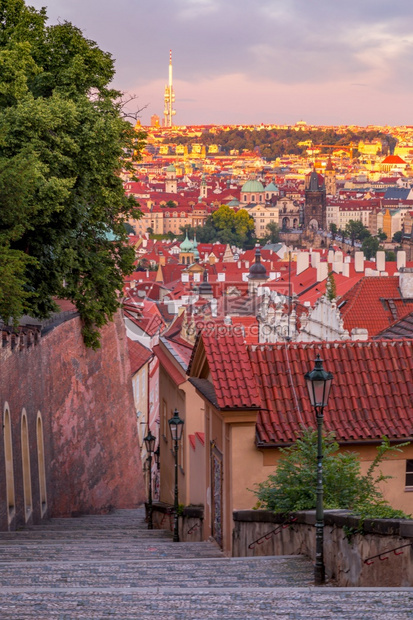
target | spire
[{"x": 257, "y": 270}]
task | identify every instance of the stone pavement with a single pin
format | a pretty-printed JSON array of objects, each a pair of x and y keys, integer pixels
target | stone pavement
[{"x": 114, "y": 567}]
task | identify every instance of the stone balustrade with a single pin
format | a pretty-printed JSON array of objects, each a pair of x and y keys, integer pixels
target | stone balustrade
[{"x": 260, "y": 533}]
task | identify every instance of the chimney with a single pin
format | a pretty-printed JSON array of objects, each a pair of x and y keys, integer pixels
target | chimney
[
  {"x": 302, "y": 262},
  {"x": 359, "y": 262},
  {"x": 315, "y": 259},
  {"x": 401, "y": 259},
  {"x": 406, "y": 282},
  {"x": 380, "y": 260},
  {"x": 346, "y": 270},
  {"x": 322, "y": 271}
]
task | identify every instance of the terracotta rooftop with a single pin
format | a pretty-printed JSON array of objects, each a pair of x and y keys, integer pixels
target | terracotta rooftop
[
  {"x": 374, "y": 303},
  {"x": 230, "y": 369},
  {"x": 138, "y": 355},
  {"x": 177, "y": 377},
  {"x": 371, "y": 394},
  {"x": 399, "y": 330}
]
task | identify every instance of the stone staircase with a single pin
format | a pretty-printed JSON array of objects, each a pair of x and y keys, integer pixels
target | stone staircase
[{"x": 114, "y": 567}]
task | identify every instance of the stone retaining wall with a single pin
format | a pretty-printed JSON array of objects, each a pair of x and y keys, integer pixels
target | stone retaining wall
[
  {"x": 190, "y": 522},
  {"x": 258, "y": 533}
]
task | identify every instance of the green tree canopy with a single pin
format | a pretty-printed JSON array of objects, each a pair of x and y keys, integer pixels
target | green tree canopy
[
  {"x": 331, "y": 289},
  {"x": 333, "y": 230},
  {"x": 63, "y": 142},
  {"x": 370, "y": 246},
  {"x": 273, "y": 235},
  {"x": 226, "y": 226},
  {"x": 356, "y": 230}
]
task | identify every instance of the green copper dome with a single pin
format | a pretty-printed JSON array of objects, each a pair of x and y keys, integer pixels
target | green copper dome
[
  {"x": 252, "y": 186},
  {"x": 171, "y": 168},
  {"x": 186, "y": 245},
  {"x": 271, "y": 187}
]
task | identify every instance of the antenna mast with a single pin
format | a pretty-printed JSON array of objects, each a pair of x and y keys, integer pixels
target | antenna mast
[{"x": 169, "y": 97}]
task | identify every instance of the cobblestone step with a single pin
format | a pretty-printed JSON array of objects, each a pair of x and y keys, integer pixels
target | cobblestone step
[
  {"x": 47, "y": 551},
  {"x": 200, "y": 573},
  {"x": 200, "y": 604},
  {"x": 113, "y": 566}
]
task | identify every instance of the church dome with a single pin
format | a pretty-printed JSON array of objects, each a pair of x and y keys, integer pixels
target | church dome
[
  {"x": 252, "y": 186},
  {"x": 186, "y": 245},
  {"x": 171, "y": 168},
  {"x": 271, "y": 187}
]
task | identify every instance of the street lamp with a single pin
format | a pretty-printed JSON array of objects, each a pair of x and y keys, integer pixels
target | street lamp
[
  {"x": 318, "y": 384},
  {"x": 176, "y": 426},
  {"x": 150, "y": 445},
  {"x": 157, "y": 456}
]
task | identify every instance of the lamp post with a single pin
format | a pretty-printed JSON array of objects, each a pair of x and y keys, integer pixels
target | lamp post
[
  {"x": 318, "y": 384},
  {"x": 150, "y": 445},
  {"x": 176, "y": 426},
  {"x": 157, "y": 456}
]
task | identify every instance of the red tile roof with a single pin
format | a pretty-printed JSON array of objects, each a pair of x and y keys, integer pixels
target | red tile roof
[
  {"x": 400, "y": 329},
  {"x": 230, "y": 369},
  {"x": 168, "y": 365},
  {"x": 145, "y": 314},
  {"x": 393, "y": 159},
  {"x": 374, "y": 303},
  {"x": 371, "y": 394},
  {"x": 138, "y": 355},
  {"x": 248, "y": 326}
]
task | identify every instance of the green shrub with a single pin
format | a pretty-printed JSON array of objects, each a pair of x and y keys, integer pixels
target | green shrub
[{"x": 292, "y": 487}]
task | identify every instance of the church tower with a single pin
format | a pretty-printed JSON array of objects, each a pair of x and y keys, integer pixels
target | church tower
[
  {"x": 330, "y": 179},
  {"x": 315, "y": 212},
  {"x": 203, "y": 188},
  {"x": 171, "y": 183}
]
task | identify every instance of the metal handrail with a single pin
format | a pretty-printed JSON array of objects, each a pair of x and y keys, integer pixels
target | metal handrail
[
  {"x": 273, "y": 532},
  {"x": 193, "y": 528},
  {"x": 370, "y": 560}
]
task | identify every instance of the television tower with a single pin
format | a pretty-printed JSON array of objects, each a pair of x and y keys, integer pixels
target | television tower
[{"x": 169, "y": 97}]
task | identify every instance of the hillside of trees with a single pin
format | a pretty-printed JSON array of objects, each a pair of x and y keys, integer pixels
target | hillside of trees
[{"x": 274, "y": 143}]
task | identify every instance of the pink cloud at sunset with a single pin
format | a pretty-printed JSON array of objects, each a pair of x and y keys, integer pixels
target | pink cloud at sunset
[{"x": 238, "y": 61}]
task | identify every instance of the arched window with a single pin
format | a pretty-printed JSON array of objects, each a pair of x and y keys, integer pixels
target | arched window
[
  {"x": 27, "y": 481},
  {"x": 8, "y": 456},
  {"x": 41, "y": 464}
]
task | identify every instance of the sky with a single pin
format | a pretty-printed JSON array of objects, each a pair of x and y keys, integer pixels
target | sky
[{"x": 327, "y": 62}]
